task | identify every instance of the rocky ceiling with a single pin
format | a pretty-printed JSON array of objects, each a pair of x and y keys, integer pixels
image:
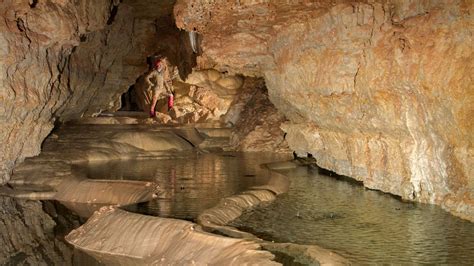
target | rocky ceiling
[{"x": 377, "y": 90}]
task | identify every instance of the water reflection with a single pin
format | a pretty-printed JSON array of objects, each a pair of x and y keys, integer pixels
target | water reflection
[
  {"x": 363, "y": 225},
  {"x": 188, "y": 185}
]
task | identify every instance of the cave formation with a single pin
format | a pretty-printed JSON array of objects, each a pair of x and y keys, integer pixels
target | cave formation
[{"x": 379, "y": 91}]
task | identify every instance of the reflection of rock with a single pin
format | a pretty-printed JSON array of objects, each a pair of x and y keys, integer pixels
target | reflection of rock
[
  {"x": 217, "y": 219},
  {"x": 86, "y": 196},
  {"x": 27, "y": 235},
  {"x": 306, "y": 254},
  {"x": 128, "y": 238},
  {"x": 79, "y": 143},
  {"x": 380, "y": 91},
  {"x": 68, "y": 59},
  {"x": 152, "y": 141},
  {"x": 228, "y": 209}
]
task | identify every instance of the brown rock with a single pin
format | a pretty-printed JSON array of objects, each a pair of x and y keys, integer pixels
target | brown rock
[
  {"x": 68, "y": 59},
  {"x": 27, "y": 235},
  {"x": 377, "y": 91},
  {"x": 257, "y": 121}
]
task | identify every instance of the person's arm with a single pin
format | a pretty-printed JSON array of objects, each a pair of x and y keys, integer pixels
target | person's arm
[{"x": 147, "y": 80}]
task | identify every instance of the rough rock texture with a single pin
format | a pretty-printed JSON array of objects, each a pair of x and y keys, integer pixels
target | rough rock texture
[
  {"x": 67, "y": 59},
  {"x": 35, "y": 40},
  {"x": 27, "y": 235},
  {"x": 256, "y": 120},
  {"x": 62, "y": 60},
  {"x": 204, "y": 96},
  {"x": 380, "y": 91}
]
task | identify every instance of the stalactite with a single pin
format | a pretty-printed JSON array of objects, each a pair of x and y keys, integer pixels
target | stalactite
[{"x": 193, "y": 40}]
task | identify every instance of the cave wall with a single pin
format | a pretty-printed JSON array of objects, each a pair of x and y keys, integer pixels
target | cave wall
[
  {"x": 377, "y": 90},
  {"x": 62, "y": 60},
  {"x": 36, "y": 41},
  {"x": 27, "y": 235}
]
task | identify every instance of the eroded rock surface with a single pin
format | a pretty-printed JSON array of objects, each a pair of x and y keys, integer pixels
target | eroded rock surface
[
  {"x": 257, "y": 123},
  {"x": 142, "y": 240},
  {"x": 68, "y": 59},
  {"x": 377, "y": 91},
  {"x": 27, "y": 235}
]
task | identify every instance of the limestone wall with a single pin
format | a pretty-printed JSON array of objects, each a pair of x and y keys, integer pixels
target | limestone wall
[
  {"x": 67, "y": 59},
  {"x": 27, "y": 235},
  {"x": 379, "y": 91},
  {"x": 35, "y": 41}
]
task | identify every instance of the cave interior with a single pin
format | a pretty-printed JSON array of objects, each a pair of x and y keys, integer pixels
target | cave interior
[{"x": 374, "y": 94}]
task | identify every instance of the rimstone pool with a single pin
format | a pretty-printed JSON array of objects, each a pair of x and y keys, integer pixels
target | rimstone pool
[
  {"x": 191, "y": 184},
  {"x": 320, "y": 207},
  {"x": 201, "y": 187},
  {"x": 362, "y": 225}
]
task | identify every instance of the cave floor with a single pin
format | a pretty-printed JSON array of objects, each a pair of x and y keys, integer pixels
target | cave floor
[
  {"x": 152, "y": 172},
  {"x": 149, "y": 171}
]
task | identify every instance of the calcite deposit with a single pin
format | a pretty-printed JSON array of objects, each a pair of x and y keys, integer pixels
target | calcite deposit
[
  {"x": 134, "y": 239},
  {"x": 67, "y": 59},
  {"x": 204, "y": 96},
  {"x": 377, "y": 90}
]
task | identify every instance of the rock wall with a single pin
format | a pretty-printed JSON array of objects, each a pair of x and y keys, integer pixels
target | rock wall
[
  {"x": 255, "y": 120},
  {"x": 61, "y": 60},
  {"x": 35, "y": 41},
  {"x": 67, "y": 59},
  {"x": 379, "y": 91},
  {"x": 27, "y": 235}
]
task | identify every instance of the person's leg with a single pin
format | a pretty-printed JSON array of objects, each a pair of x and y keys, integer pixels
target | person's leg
[{"x": 153, "y": 104}]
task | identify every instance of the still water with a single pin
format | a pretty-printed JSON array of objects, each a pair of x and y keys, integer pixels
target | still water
[
  {"x": 363, "y": 225},
  {"x": 191, "y": 184}
]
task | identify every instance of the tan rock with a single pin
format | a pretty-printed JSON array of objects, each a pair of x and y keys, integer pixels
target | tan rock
[
  {"x": 164, "y": 241},
  {"x": 377, "y": 91},
  {"x": 68, "y": 59},
  {"x": 256, "y": 121}
]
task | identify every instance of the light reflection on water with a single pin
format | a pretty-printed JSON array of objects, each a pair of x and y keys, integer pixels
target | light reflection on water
[
  {"x": 364, "y": 226},
  {"x": 190, "y": 185}
]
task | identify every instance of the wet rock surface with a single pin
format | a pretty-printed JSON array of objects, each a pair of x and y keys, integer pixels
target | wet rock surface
[
  {"x": 379, "y": 91},
  {"x": 27, "y": 235},
  {"x": 153, "y": 240},
  {"x": 376, "y": 91},
  {"x": 365, "y": 226},
  {"x": 65, "y": 59},
  {"x": 50, "y": 176}
]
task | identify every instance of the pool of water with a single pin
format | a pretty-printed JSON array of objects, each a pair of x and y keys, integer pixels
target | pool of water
[
  {"x": 190, "y": 184},
  {"x": 363, "y": 225}
]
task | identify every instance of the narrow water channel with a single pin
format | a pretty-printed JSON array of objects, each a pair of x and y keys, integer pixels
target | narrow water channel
[{"x": 363, "y": 225}]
